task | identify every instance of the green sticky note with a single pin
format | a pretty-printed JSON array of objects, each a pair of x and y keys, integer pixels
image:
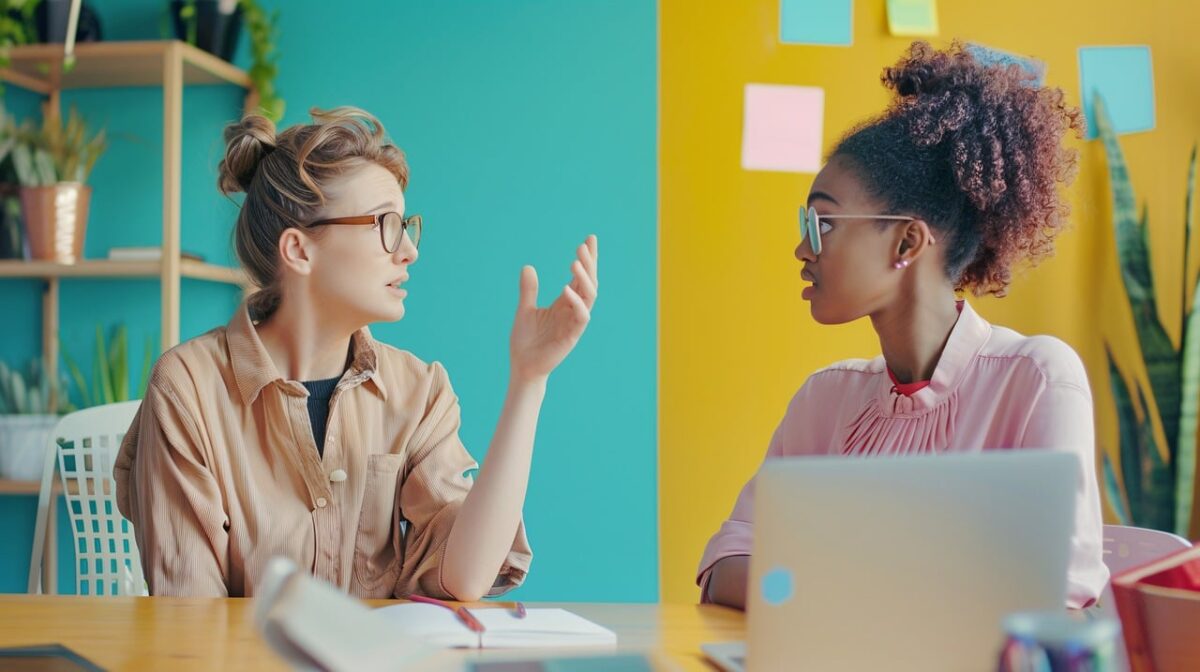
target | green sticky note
[{"x": 912, "y": 17}]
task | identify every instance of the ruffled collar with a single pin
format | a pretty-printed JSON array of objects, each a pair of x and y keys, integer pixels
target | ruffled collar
[{"x": 967, "y": 339}]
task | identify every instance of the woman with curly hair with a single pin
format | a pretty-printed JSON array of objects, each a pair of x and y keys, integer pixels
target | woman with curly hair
[{"x": 953, "y": 186}]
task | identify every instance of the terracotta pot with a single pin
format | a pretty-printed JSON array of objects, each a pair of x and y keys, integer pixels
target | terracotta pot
[{"x": 55, "y": 220}]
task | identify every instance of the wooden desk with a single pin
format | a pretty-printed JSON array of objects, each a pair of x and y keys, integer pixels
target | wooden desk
[{"x": 142, "y": 633}]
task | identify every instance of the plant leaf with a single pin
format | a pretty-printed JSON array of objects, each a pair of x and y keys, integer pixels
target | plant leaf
[
  {"x": 1184, "y": 463},
  {"x": 34, "y": 402},
  {"x": 1162, "y": 359},
  {"x": 1159, "y": 485},
  {"x": 118, "y": 358},
  {"x": 1112, "y": 491},
  {"x": 20, "y": 399},
  {"x": 1130, "y": 244},
  {"x": 147, "y": 365},
  {"x": 1185, "y": 455},
  {"x": 23, "y": 164},
  {"x": 44, "y": 165},
  {"x": 1187, "y": 234},
  {"x": 102, "y": 372},
  {"x": 5, "y": 390},
  {"x": 1189, "y": 199},
  {"x": 1127, "y": 423},
  {"x": 77, "y": 377}
]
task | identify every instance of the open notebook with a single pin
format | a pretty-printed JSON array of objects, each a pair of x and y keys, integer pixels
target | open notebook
[
  {"x": 313, "y": 625},
  {"x": 438, "y": 626}
]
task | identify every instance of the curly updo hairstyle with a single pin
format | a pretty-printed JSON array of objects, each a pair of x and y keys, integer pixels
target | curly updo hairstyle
[{"x": 976, "y": 150}]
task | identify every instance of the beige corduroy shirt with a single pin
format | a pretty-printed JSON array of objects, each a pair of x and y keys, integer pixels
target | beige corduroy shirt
[{"x": 219, "y": 472}]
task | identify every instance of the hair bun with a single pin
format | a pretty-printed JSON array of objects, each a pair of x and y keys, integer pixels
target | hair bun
[
  {"x": 913, "y": 80},
  {"x": 247, "y": 143},
  {"x": 925, "y": 70}
]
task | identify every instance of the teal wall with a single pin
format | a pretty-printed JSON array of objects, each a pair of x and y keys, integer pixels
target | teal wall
[{"x": 528, "y": 124}]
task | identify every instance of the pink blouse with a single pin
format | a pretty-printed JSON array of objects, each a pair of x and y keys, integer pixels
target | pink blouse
[{"x": 992, "y": 389}]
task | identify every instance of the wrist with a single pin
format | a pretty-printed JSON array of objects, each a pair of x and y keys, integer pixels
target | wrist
[{"x": 523, "y": 380}]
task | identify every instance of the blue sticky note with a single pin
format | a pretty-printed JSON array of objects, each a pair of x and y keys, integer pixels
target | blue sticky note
[
  {"x": 990, "y": 56},
  {"x": 1124, "y": 77},
  {"x": 816, "y": 22},
  {"x": 777, "y": 586}
]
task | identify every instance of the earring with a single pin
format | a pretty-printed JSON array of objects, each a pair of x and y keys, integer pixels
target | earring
[{"x": 900, "y": 264}]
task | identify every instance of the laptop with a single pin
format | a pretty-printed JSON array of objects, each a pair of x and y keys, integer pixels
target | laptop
[{"x": 903, "y": 563}]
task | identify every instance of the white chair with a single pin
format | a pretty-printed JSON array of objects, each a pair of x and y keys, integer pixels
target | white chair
[
  {"x": 1128, "y": 547},
  {"x": 83, "y": 447}
]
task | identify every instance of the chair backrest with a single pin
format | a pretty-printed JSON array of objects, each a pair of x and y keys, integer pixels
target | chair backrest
[
  {"x": 85, "y": 445},
  {"x": 1127, "y": 547}
]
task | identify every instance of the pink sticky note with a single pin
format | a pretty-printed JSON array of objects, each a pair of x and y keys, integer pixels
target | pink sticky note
[{"x": 783, "y": 128}]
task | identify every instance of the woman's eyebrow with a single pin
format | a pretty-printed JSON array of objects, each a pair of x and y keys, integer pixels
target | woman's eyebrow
[
  {"x": 385, "y": 204},
  {"x": 822, "y": 195}
]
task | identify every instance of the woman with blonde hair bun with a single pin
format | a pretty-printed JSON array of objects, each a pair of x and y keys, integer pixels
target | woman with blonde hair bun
[{"x": 292, "y": 432}]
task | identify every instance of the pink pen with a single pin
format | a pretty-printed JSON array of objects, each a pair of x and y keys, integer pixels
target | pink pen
[
  {"x": 517, "y": 608},
  {"x": 468, "y": 619}
]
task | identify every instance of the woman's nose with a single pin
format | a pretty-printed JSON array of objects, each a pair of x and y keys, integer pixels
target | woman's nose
[
  {"x": 804, "y": 252},
  {"x": 406, "y": 252}
]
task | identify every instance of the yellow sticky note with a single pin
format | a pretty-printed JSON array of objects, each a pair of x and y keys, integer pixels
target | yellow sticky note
[{"x": 912, "y": 17}]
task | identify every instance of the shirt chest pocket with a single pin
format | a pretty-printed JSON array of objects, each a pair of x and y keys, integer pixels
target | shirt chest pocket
[{"x": 379, "y": 539}]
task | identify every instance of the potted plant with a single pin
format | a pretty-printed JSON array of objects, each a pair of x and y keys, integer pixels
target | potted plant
[
  {"x": 214, "y": 26},
  {"x": 30, "y": 405},
  {"x": 30, "y": 21},
  {"x": 17, "y": 26},
  {"x": 52, "y": 164},
  {"x": 12, "y": 242},
  {"x": 110, "y": 369},
  {"x": 1152, "y": 481},
  {"x": 53, "y": 20}
]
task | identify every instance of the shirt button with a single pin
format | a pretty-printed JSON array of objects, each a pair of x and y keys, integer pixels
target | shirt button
[
  {"x": 337, "y": 475},
  {"x": 321, "y": 502}
]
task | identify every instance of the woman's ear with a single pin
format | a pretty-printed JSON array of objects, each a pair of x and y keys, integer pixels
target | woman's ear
[
  {"x": 295, "y": 250},
  {"x": 915, "y": 236}
]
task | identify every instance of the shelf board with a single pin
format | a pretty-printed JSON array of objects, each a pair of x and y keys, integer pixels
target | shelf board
[
  {"x": 199, "y": 270},
  {"x": 38, "y": 67},
  {"x": 11, "y": 487},
  {"x": 103, "y": 268}
]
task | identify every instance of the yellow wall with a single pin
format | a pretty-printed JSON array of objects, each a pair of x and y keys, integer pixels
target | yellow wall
[{"x": 736, "y": 340}]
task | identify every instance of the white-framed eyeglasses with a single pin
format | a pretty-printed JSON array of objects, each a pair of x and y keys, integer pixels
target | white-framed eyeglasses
[{"x": 811, "y": 223}]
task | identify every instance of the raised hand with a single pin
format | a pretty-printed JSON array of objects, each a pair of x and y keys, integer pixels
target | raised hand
[{"x": 542, "y": 337}]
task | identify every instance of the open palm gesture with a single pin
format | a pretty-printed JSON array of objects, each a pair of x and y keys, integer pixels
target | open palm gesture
[{"x": 542, "y": 337}]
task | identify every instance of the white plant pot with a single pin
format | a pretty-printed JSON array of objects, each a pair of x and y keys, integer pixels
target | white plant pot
[{"x": 23, "y": 441}]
